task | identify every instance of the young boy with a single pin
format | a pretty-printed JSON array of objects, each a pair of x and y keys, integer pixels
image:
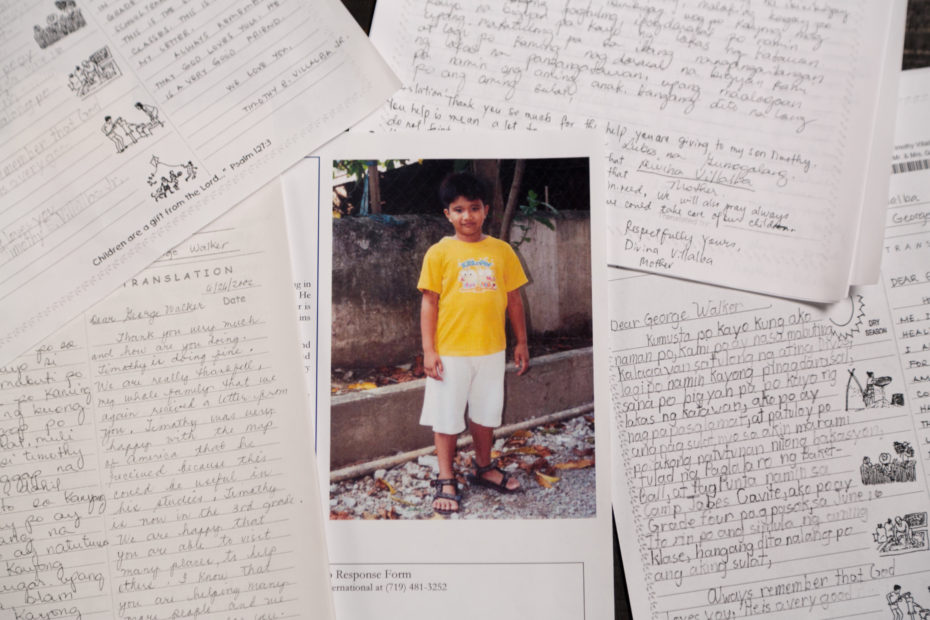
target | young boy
[{"x": 468, "y": 281}]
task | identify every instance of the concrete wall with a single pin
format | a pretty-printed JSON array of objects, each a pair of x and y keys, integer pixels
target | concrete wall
[
  {"x": 558, "y": 263},
  {"x": 385, "y": 421},
  {"x": 376, "y": 305},
  {"x": 376, "y": 264}
]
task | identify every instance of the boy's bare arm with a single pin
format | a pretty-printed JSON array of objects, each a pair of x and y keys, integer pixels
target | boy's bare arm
[
  {"x": 429, "y": 314},
  {"x": 521, "y": 353}
]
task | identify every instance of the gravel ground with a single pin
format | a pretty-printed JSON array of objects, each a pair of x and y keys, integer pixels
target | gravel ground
[{"x": 560, "y": 455}]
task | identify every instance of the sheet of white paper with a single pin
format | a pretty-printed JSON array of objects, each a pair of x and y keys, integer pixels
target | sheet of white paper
[
  {"x": 544, "y": 563},
  {"x": 774, "y": 456},
  {"x": 155, "y": 451},
  {"x": 739, "y": 132},
  {"x": 867, "y": 264},
  {"x": 126, "y": 126}
]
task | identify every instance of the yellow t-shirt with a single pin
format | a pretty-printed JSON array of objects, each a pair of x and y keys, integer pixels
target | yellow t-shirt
[{"x": 472, "y": 280}]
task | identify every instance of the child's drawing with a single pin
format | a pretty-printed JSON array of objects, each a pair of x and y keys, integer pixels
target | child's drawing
[
  {"x": 123, "y": 133},
  {"x": 900, "y": 468},
  {"x": 59, "y": 25},
  {"x": 873, "y": 395},
  {"x": 167, "y": 178},
  {"x": 847, "y": 316},
  {"x": 112, "y": 129},
  {"x": 90, "y": 76},
  {"x": 152, "y": 112},
  {"x": 903, "y": 534},
  {"x": 903, "y": 605}
]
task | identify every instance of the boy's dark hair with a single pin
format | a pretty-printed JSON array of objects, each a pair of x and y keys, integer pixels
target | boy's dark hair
[{"x": 462, "y": 184}]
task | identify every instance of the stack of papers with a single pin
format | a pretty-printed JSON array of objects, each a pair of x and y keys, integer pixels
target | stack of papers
[
  {"x": 741, "y": 137},
  {"x": 759, "y": 369},
  {"x": 155, "y": 458},
  {"x": 128, "y": 126}
]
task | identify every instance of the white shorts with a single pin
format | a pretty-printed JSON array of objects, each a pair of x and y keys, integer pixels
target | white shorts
[{"x": 474, "y": 381}]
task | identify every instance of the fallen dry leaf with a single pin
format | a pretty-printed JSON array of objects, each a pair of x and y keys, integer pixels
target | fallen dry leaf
[
  {"x": 340, "y": 516},
  {"x": 518, "y": 438},
  {"x": 544, "y": 480},
  {"x": 506, "y": 460},
  {"x": 401, "y": 500},
  {"x": 542, "y": 466},
  {"x": 382, "y": 483},
  {"x": 579, "y": 464},
  {"x": 402, "y": 375},
  {"x": 533, "y": 450},
  {"x": 361, "y": 385}
]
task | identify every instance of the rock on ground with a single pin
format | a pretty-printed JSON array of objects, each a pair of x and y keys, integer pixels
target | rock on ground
[{"x": 559, "y": 455}]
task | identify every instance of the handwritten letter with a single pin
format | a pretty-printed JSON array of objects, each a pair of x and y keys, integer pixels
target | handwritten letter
[
  {"x": 737, "y": 131},
  {"x": 155, "y": 460},
  {"x": 774, "y": 455}
]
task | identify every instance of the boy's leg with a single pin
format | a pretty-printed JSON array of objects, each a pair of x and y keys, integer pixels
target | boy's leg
[
  {"x": 445, "y": 454},
  {"x": 485, "y": 406},
  {"x": 444, "y": 409},
  {"x": 483, "y": 436}
]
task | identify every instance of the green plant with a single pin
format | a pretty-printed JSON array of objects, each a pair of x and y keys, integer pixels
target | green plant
[
  {"x": 534, "y": 210},
  {"x": 358, "y": 168},
  {"x": 367, "y": 176}
]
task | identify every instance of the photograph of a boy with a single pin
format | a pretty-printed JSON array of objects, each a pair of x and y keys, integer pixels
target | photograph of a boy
[
  {"x": 470, "y": 285},
  {"x": 390, "y": 228}
]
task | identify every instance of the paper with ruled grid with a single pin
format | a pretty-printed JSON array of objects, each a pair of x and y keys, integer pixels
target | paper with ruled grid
[
  {"x": 154, "y": 458},
  {"x": 126, "y": 126},
  {"x": 740, "y": 133},
  {"x": 773, "y": 457}
]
